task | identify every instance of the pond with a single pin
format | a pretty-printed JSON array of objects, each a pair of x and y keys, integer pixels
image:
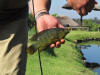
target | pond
[{"x": 92, "y": 54}]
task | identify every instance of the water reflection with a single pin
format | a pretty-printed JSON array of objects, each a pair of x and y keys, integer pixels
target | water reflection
[
  {"x": 97, "y": 71},
  {"x": 92, "y": 55}
]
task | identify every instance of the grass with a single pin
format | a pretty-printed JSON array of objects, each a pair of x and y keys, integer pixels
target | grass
[
  {"x": 81, "y": 35},
  {"x": 65, "y": 60},
  {"x": 90, "y": 42}
]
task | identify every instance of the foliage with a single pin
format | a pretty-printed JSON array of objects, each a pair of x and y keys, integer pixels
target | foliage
[
  {"x": 93, "y": 24},
  {"x": 55, "y": 15},
  {"x": 31, "y": 21},
  {"x": 81, "y": 35}
]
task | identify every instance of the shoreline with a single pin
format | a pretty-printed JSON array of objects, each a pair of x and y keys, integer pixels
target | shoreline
[{"x": 67, "y": 59}]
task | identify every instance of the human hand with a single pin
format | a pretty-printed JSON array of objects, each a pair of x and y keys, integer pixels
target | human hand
[
  {"x": 46, "y": 22},
  {"x": 82, "y": 6}
]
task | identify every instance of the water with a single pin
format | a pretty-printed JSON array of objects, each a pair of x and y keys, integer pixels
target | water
[{"x": 92, "y": 54}]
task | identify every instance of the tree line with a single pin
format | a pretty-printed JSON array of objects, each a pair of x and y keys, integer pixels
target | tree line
[{"x": 93, "y": 24}]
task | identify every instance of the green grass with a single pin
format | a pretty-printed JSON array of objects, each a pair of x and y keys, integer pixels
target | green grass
[
  {"x": 90, "y": 42},
  {"x": 81, "y": 35},
  {"x": 65, "y": 60}
]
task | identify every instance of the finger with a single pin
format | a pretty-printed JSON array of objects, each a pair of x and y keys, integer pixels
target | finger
[
  {"x": 60, "y": 25},
  {"x": 90, "y": 6},
  {"x": 58, "y": 44},
  {"x": 62, "y": 41},
  {"x": 83, "y": 11},
  {"x": 52, "y": 45},
  {"x": 79, "y": 12}
]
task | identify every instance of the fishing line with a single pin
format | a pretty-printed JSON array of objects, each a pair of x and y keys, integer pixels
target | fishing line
[{"x": 36, "y": 33}]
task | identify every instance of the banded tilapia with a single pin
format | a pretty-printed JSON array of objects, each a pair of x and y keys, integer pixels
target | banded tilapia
[{"x": 45, "y": 38}]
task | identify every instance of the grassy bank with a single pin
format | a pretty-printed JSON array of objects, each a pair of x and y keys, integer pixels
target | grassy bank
[{"x": 65, "y": 60}]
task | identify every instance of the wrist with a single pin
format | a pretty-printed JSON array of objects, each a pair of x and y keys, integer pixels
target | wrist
[
  {"x": 40, "y": 10},
  {"x": 41, "y": 13}
]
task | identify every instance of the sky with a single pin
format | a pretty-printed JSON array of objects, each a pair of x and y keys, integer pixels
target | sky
[{"x": 56, "y": 8}]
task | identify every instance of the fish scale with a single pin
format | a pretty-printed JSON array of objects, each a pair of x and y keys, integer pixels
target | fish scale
[{"x": 43, "y": 39}]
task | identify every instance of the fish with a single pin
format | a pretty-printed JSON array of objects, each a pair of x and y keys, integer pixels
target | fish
[{"x": 44, "y": 38}]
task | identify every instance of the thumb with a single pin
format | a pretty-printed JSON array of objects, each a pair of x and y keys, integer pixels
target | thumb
[{"x": 60, "y": 25}]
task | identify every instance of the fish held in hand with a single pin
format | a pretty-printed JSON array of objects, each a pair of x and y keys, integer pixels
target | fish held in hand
[{"x": 43, "y": 39}]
